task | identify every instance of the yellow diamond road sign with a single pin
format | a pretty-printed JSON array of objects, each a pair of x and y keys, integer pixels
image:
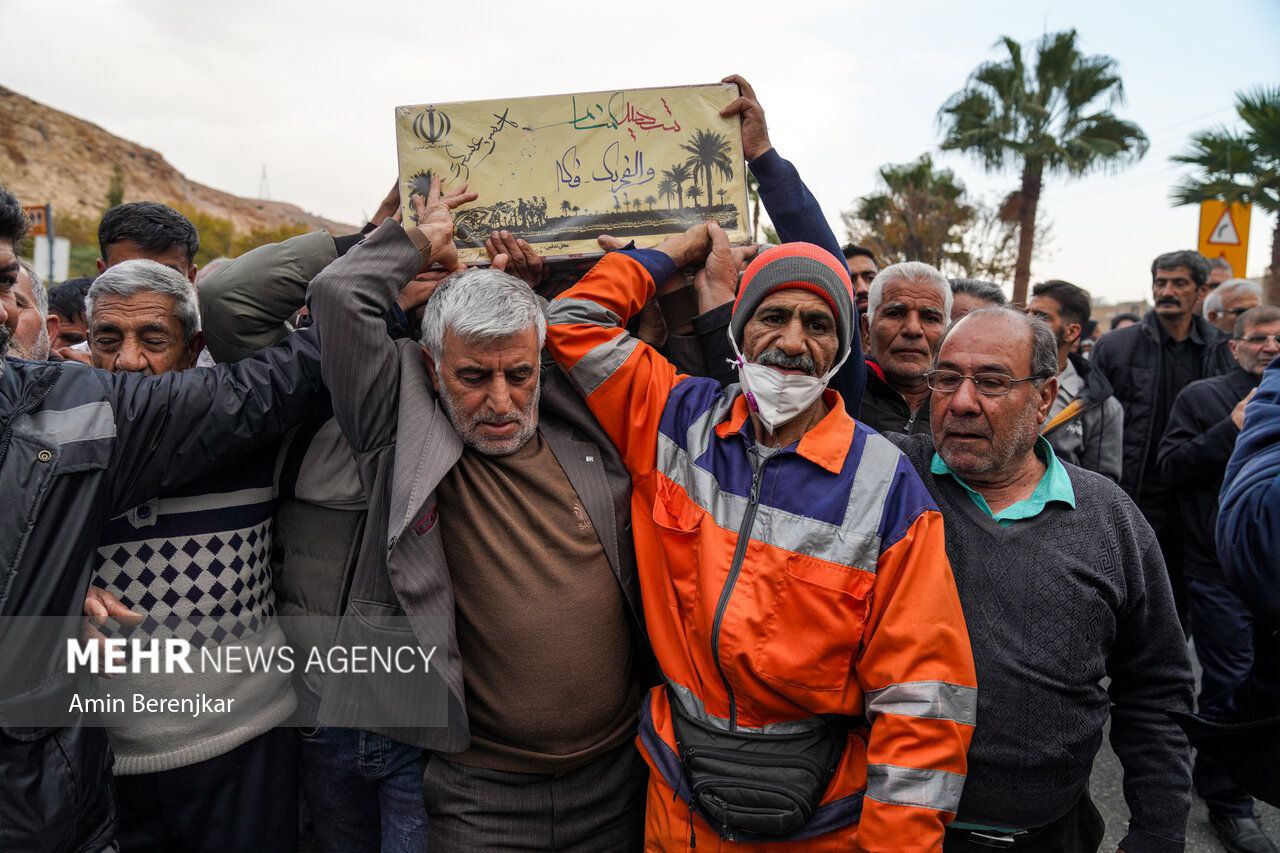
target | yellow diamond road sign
[{"x": 1224, "y": 233}]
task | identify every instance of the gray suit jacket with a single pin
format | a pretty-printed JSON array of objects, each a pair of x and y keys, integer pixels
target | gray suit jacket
[{"x": 404, "y": 445}]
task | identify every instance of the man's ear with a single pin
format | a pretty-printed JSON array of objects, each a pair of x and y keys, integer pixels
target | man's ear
[
  {"x": 192, "y": 269},
  {"x": 1231, "y": 345},
  {"x": 1048, "y": 393},
  {"x": 1074, "y": 331},
  {"x": 195, "y": 348},
  {"x": 53, "y": 324},
  {"x": 431, "y": 366},
  {"x": 866, "y": 331},
  {"x": 102, "y": 266}
]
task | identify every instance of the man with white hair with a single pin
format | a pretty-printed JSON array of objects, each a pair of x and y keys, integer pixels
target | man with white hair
[
  {"x": 1224, "y": 305},
  {"x": 500, "y": 540},
  {"x": 908, "y": 309},
  {"x": 192, "y": 564},
  {"x": 36, "y": 326}
]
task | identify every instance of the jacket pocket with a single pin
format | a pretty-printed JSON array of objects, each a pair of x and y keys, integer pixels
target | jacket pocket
[
  {"x": 679, "y": 523},
  {"x": 815, "y": 624}
]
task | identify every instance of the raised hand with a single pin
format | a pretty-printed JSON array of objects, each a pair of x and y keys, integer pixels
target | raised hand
[
  {"x": 717, "y": 282},
  {"x": 755, "y": 132},
  {"x": 435, "y": 222},
  {"x": 522, "y": 261}
]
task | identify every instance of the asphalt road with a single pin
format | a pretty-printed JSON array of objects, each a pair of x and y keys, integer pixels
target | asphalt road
[{"x": 1105, "y": 788}]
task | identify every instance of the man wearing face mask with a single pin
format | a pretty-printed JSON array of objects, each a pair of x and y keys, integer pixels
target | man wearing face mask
[{"x": 819, "y": 690}]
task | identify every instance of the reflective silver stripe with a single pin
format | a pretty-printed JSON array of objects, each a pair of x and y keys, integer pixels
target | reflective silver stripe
[
  {"x": 569, "y": 311},
  {"x": 599, "y": 364},
  {"x": 934, "y": 700},
  {"x": 912, "y": 786},
  {"x": 83, "y": 423},
  {"x": 693, "y": 707},
  {"x": 870, "y": 490},
  {"x": 853, "y": 544}
]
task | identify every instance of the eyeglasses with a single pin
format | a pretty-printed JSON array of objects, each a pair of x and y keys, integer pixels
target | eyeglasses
[
  {"x": 987, "y": 384},
  {"x": 1259, "y": 340}
]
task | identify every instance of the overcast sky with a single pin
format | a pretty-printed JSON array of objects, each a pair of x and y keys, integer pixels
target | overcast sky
[{"x": 222, "y": 88}]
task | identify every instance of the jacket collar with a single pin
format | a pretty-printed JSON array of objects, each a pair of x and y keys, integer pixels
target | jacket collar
[
  {"x": 1202, "y": 331},
  {"x": 825, "y": 445},
  {"x": 1096, "y": 386}
]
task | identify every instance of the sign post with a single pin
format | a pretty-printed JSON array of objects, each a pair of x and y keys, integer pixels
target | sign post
[
  {"x": 41, "y": 218},
  {"x": 1224, "y": 233}
]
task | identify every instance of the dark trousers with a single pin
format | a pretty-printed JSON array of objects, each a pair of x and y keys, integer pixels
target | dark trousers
[
  {"x": 364, "y": 791},
  {"x": 1078, "y": 831},
  {"x": 246, "y": 799},
  {"x": 598, "y": 807},
  {"x": 1224, "y": 644},
  {"x": 1166, "y": 520}
]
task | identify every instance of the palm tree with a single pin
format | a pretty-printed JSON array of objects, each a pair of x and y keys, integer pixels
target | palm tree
[
  {"x": 721, "y": 193},
  {"x": 919, "y": 214},
  {"x": 1053, "y": 118},
  {"x": 651, "y": 201},
  {"x": 575, "y": 210},
  {"x": 708, "y": 151},
  {"x": 565, "y": 207},
  {"x": 678, "y": 174},
  {"x": 667, "y": 189},
  {"x": 1241, "y": 166},
  {"x": 694, "y": 192}
]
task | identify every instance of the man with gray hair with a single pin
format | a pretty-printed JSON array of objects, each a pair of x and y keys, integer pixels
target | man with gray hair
[
  {"x": 36, "y": 327},
  {"x": 192, "y": 564},
  {"x": 1062, "y": 585},
  {"x": 970, "y": 294},
  {"x": 502, "y": 541},
  {"x": 908, "y": 309},
  {"x": 1219, "y": 272},
  {"x": 1224, "y": 305}
]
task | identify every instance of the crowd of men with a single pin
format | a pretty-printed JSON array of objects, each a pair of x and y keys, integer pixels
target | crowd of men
[{"x": 710, "y": 547}]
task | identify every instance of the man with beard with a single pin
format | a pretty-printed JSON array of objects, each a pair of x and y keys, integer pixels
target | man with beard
[
  {"x": 1203, "y": 427},
  {"x": 498, "y": 506},
  {"x": 1086, "y": 421},
  {"x": 1062, "y": 586},
  {"x": 908, "y": 309},
  {"x": 35, "y": 325},
  {"x": 862, "y": 271},
  {"x": 1148, "y": 365}
]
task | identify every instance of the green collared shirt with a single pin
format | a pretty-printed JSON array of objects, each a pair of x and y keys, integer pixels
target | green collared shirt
[{"x": 1055, "y": 485}]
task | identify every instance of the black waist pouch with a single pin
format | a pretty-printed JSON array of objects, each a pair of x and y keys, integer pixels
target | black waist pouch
[{"x": 764, "y": 784}]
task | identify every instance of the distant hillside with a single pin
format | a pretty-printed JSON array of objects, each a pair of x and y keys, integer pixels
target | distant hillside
[{"x": 51, "y": 156}]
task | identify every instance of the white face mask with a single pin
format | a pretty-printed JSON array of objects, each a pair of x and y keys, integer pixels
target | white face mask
[{"x": 774, "y": 396}]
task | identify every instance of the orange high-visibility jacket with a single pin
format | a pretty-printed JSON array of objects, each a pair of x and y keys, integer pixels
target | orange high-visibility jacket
[{"x": 813, "y": 584}]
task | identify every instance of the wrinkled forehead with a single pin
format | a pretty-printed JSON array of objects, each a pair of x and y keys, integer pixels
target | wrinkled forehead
[
  {"x": 986, "y": 344},
  {"x": 136, "y": 309},
  {"x": 794, "y": 299},
  {"x": 913, "y": 294}
]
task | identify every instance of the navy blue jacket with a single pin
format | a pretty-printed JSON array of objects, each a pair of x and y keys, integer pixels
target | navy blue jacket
[{"x": 1249, "y": 517}]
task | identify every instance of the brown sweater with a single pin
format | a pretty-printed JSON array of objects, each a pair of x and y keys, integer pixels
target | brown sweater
[{"x": 548, "y": 651}]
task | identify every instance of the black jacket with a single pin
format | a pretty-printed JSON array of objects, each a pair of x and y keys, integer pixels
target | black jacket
[
  {"x": 1132, "y": 360},
  {"x": 77, "y": 447},
  {"x": 1091, "y": 436},
  {"x": 886, "y": 411},
  {"x": 1193, "y": 457}
]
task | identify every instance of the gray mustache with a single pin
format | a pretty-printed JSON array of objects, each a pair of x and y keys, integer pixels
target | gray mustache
[{"x": 778, "y": 358}]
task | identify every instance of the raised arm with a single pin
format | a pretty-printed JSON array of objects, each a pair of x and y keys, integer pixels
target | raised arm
[
  {"x": 626, "y": 383},
  {"x": 175, "y": 427},
  {"x": 349, "y": 301},
  {"x": 797, "y": 217},
  {"x": 245, "y": 304}
]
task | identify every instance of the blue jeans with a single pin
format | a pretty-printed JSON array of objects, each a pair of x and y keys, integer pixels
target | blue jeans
[{"x": 364, "y": 791}]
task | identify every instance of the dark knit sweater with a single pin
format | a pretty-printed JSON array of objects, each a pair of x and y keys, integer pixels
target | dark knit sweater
[{"x": 1056, "y": 604}]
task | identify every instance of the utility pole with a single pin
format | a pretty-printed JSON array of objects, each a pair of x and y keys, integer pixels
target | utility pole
[{"x": 264, "y": 189}]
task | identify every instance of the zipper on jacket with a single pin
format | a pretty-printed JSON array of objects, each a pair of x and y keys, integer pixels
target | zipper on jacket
[
  {"x": 739, "y": 554},
  {"x": 24, "y": 409}
]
